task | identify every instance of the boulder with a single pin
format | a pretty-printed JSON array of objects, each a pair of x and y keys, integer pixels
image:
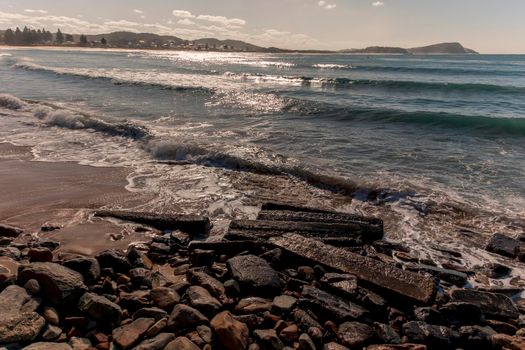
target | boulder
[
  {"x": 164, "y": 297},
  {"x": 254, "y": 275},
  {"x": 476, "y": 337},
  {"x": 10, "y": 252},
  {"x": 231, "y": 334},
  {"x": 503, "y": 245},
  {"x": 127, "y": 335},
  {"x": 48, "y": 346},
  {"x": 268, "y": 339},
  {"x": 212, "y": 285},
  {"x": 436, "y": 337},
  {"x": 10, "y": 231},
  {"x": 504, "y": 341},
  {"x": 283, "y": 304},
  {"x": 115, "y": 259},
  {"x": 40, "y": 254},
  {"x": 89, "y": 268},
  {"x": 339, "y": 308},
  {"x": 202, "y": 300},
  {"x": 20, "y": 327},
  {"x": 185, "y": 317},
  {"x": 355, "y": 334},
  {"x": 460, "y": 313},
  {"x": 253, "y": 305},
  {"x": 306, "y": 343},
  {"x": 100, "y": 309},
  {"x": 159, "y": 342},
  {"x": 60, "y": 285},
  {"x": 8, "y": 271},
  {"x": 491, "y": 304},
  {"x": 181, "y": 343},
  {"x": 80, "y": 343},
  {"x": 150, "y": 312}
]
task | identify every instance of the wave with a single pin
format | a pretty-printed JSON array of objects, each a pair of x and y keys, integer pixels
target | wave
[
  {"x": 332, "y": 66},
  {"x": 437, "y": 70},
  {"x": 11, "y": 102}
]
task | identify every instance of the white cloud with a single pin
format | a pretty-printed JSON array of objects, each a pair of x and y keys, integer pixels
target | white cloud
[
  {"x": 222, "y": 20},
  {"x": 326, "y": 5},
  {"x": 185, "y": 22},
  {"x": 378, "y": 3},
  {"x": 183, "y": 14},
  {"x": 140, "y": 12},
  {"x": 35, "y": 11}
]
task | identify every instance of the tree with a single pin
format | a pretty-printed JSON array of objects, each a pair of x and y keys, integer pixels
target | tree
[
  {"x": 69, "y": 38},
  {"x": 18, "y": 37},
  {"x": 104, "y": 42},
  {"x": 9, "y": 37},
  {"x": 83, "y": 40},
  {"x": 59, "y": 38}
]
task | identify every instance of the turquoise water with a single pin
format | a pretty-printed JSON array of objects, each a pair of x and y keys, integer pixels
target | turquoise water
[{"x": 433, "y": 129}]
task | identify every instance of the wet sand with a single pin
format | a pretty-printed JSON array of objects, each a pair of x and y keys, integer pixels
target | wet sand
[{"x": 62, "y": 194}]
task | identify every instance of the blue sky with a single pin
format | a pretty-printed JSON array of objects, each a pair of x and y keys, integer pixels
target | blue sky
[{"x": 490, "y": 26}]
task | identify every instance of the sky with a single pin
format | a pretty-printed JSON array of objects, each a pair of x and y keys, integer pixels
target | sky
[{"x": 488, "y": 26}]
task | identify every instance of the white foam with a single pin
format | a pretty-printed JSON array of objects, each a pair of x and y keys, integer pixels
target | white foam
[{"x": 11, "y": 102}]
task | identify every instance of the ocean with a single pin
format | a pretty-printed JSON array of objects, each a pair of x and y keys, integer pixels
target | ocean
[{"x": 435, "y": 145}]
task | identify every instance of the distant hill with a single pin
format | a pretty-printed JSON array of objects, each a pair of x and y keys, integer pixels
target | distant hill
[
  {"x": 437, "y": 49},
  {"x": 443, "y": 48},
  {"x": 126, "y": 38}
]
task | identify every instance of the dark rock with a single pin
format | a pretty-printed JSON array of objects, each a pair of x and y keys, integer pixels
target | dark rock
[
  {"x": 20, "y": 327},
  {"x": 305, "y": 320},
  {"x": 60, "y": 285},
  {"x": 51, "y": 315},
  {"x": 476, "y": 337},
  {"x": 290, "y": 333},
  {"x": 40, "y": 255},
  {"x": 355, "y": 334},
  {"x": 51, "y": 332},
  {"x": 306, "y": 343},
  {"x": 273, "y": 256},
  {"x": 115, "y": 259},
  {"x": 49, "y": 244},
  {"x": 503, "y": 245},
  {"x": 192, "y": 224},
  {"x": 10, "y": 252},
  {"x": 164, "y": 297},
  {"x": 491, "y": 304},
  {"x": 212, "y": 285},
  {"x": 496, "y": 271},
  {"x": 141, "y": 277},
  {"x": 254, "y": 275},
  {"x": 283, "y": 304},
  {"x": 232, "y": 288},
  {"x": 436, "y": 337},
  {"x": 504, "y": 341},
  {"x": 100, "y": 309},
  {"x": 306, "y": 273},
  {"x": 181, "y": 343},
  {"x": 334, "y": 346},
  {"x": 397, "y": 347},
  {"x": 339, "y": 308},
  {"x": 186, "y": 317},
  {"x": 229, "y": 248},
  {"x": 127, "y": 335},
  {"x": 138, "y": 258},
  {"x": 452, "y": 276},
  {"x": 386, "y": 333},
  {"x": 202, "y": 300},
  {"x": 502, "y": 327},
  {"x": 89, "y": 268},
  {"x": 460, "y": 313},
  {"x": 428, "y": 315},
  {"x": 48, "y": 346},
  {"x": 231, "y": 333},
  {"x": 159, "y": 342},
  {"x": 10, "y": 231},
  {"x": 253, "y": 305},
  {"x": 8, "y": 272},
  {"x": 405, "y": 284},
  {"x": 200, "y": 257},
  {"x": 32, "y": 286},
  {"x": 150, "y": 312},
  {"x": 268, "y": 339}
]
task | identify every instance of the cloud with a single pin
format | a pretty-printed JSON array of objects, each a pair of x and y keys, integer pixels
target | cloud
[
  {"x": 326, "y": 5},
  {"x": 222, "y": 20},
  {"x": 378, "y": 3},
  {"x": 140, "y": 12},
  {"x": 183, "y": 14},
  {"x": 35, "y": 11},
  {"x": 186, "y": 22}
]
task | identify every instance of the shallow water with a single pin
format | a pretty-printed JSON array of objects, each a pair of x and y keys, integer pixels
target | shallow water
[{"x": 433, "y": 142}]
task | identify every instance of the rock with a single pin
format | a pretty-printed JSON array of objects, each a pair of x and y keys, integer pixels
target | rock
[
  {"x": 181, "y": 343},
  {"x": 253, "y": 305},
  {"x": 127, "y": 335},
  {"x": 436, "y": 336},
  {"x": 51, "y": 316},
  {"x": 48, "y": 346},
  {"x": 254, "y": 275},
  {"x": 306, "y": 343},
  {"x": 231, "y": 334},
  {"x": 100, "y": 309},
  {"x": 80, "y": 343},
  {"x": 159, "y": 342},
  {"x": 268, "y": 339},
  {"x": 397, "y": 347},
  {"x": 150, "y": 312},
  {"x": 355, "y": 334},
  {"x": 115, "y": 259},
  {"x": 158, "y": 327},
  {"x": 502, "y": 327},
  {"x": 508, "y": 342},
  {"x": 200, "y": 257},
  {"x": 491, "y": 304},
  {"x": 400, "y": 283},
  {"x": 290, "y": 333},
  {"x": 60, "y": 285},
  {"x": 186, "y": 317},
  {"x": 10, "y": 231},
  {"x": 51, "y": 332},
  {"x": 460, "y": 313},
  {"x": 205, "y": 333},
  {"x": 476, "y": 337},
  {"x": 32, "y": 286},
  {"x": 138, "y": 258},
  {"x": 503, "y": 245},
  {"x": 10, "y": 252},
  {"x": 386, "y": 333},
  {"x": 40, "y": 255},
  {"x": 283, "y": 304},
  {"x": 452, "y": 276},
  {"x": 334, "y": 346},
  {"x": 232, "y": 288},
  {"x": 202, "y": 300},
  {"x": 496, "y": 271},
  {"x": 305, "y": 320},
  {"x": 89, "y": 268},
  {"x": 335, "y": 306},
  {"x": 164, "y": 297},
  {"x": 428, "y": 315},
  {"x": 8, "y": 272},
  {"x": 20, "y": 327},
  {"x": 141, "y": 277},
  {"x": 306, "y": 273},
  {"x": 15, "y": 299},
  {"x": 212, "y": 285}
]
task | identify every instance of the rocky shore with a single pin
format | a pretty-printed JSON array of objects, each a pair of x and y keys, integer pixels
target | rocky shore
[{"x": 295, "y": 278}]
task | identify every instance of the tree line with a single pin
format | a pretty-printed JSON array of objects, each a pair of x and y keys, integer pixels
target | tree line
[{"x": 41, "y": 36}]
